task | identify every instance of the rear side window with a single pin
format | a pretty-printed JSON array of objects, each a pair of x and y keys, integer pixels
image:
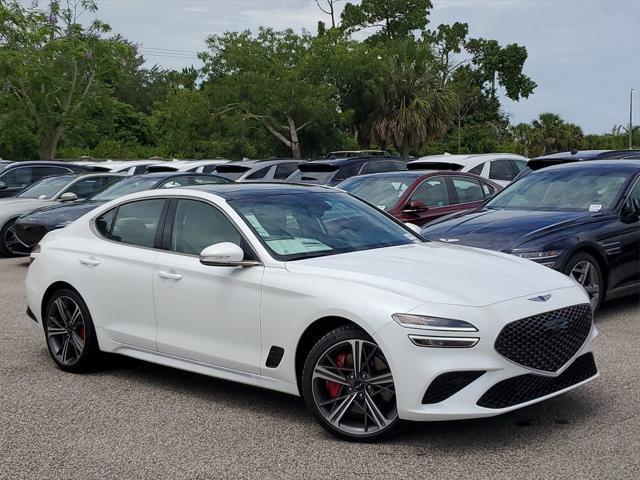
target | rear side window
[
  {"x": 477, "y": 170},
  {"x": 347, "y": 171},
  {"x": 284, "y": 170},
  {"x": 519, "y": 165},
  {"x": 133, "y": 223},
  {"x": 502, "y": 170},
  {"x": 375, "y": 167},
  {"x": 198, "y": 225},
  {"x": 258, "y": 174},
  {"x": 468, "y": 190}
]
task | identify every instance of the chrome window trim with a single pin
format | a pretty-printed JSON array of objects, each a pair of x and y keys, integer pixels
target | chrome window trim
[{"x": 94, "y": 230}]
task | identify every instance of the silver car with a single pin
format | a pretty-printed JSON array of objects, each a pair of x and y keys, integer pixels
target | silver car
[
  {"x": 46, "y": 192},
  {"x": 258, "y": 170}
]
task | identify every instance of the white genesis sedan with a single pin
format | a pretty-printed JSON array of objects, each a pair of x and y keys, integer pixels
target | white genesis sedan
[{"x": 310, "y": 291}]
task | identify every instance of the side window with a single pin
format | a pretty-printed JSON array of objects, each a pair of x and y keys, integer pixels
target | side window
[
  {"x": 398, "y": 166},
  {"x": 284, "y": 170},
  {"x": 17, "y": 177},
  {"x": 635, "y": 192},
  {"x": 468, "y": 190},
  {"x": 41, "y": 172},
  {"x": 133, "y": 223},
  {"x": 433, "y": 192},
  {"x": 178, "y": 182},
  {"x": 204, "y": 180},
  {"x": 502, "y": 170},
  {"x": 209, "y": 168},
  {"x": 519, "y": 165},
  {"x": 488, "y": 190},
  {"x": 347, "y": 171},
  {"x": 258, "y": 174},
  {"x": 477, "y": 170},
  {"x": 375, "y": 167},
  {"x": 88, "y": 186},
  {"x": 198, "y": 225}
]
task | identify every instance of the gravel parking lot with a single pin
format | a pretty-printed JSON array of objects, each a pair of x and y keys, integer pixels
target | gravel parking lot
[{"x": 136, "y": 420}]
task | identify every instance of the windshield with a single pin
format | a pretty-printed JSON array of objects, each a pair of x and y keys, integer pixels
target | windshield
[
  {"x": 383, "y": 192},
  {"x": 315, "y": 224},
  {"x": 125, "y": 187},
  {"x": 572, "y": 189},
  {"x": 46, "y": 188}
]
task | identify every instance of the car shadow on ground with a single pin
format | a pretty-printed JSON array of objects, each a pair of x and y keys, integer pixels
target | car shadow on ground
[{"x": 537, "y": 421}]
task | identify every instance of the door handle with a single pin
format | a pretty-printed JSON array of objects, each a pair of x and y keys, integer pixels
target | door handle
[
  {"x": 170, "y": 276},
  {"x": 90, "y": 262}
]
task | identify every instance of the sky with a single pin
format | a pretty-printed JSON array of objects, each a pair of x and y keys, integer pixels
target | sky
[{"x": 583, "y": 54}]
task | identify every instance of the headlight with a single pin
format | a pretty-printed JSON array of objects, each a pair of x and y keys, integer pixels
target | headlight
[
  {"x": 547, "y": 258},
  {"x": 433, "y": 323}
]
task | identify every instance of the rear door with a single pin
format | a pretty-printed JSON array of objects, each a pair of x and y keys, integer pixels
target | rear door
[
  {"x": 116, "y": 271},
  {"x": 468, "y": 192}
]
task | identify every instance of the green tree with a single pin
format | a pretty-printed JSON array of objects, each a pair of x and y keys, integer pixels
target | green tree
[
  {"x": 53, "y": 67},
  {"x": 270, "y": 82},
  {"x": 393, "y": 18},
  {"x": 411, "y": 106}
]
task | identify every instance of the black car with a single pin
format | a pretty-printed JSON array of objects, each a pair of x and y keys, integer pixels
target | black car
[
  {"x": 579, "y": 218},
  {"x": 30, "y": 228},
  {"x": 576, "y": 156},
  {"x": 18, "y": 175},
  {"x": 332, "y": 172}
]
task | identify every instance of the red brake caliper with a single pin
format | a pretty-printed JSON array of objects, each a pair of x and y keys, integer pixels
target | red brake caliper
[{"x": 332, "y": 387}]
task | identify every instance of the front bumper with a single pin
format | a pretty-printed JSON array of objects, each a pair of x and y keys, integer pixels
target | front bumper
[
  {"x": 491, "y": 384},
  {"x": 30, "y": 234}
]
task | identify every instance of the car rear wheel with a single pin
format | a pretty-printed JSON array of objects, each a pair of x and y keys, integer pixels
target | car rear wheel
[
  {"x": 586, "y": 271},
  {"x": 10, "y": 246},
  {"x": 69, "y": 332},
  {"x": 348, "y": 386}
]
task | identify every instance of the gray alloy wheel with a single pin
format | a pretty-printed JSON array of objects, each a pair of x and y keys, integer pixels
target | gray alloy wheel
[
  {"x": 586, "y": 271},
  {"x": 65, "y": 330},
  {"x": 10, "y": 245},
  {"x": 349, "y": 386},
  {"x": 69, "y": 332}
]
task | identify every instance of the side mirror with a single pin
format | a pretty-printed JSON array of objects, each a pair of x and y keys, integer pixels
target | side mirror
[
  {"x": 413, "y": 227},
  {"x": 68, "y": 197},
  {"x": 225, "y": 254},
  {"x": 3, "y": 186},
  {"x": 415, "y": 206}
]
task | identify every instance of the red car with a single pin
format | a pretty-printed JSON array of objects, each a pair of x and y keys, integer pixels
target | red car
[{"x": 421, "y": 196}]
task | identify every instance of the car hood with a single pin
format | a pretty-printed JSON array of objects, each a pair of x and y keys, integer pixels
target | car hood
[
  {"x": 16, "y": 206},
  {"x": 500, "y": 230},
  {"x": 60, "y": 214},
  {"x": 438, "y": 273}
]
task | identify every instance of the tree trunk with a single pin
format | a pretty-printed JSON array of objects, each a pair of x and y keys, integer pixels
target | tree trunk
[
  {"x": 49, "y": 144},
  {"x": 405, "y": 150},
  {"x": 295, "y": 142}
]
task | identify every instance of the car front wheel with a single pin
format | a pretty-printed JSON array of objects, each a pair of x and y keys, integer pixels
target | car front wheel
[
  {"x": 348, "y": 386},
  {"x": 586, "y": 271},
  {"x": 10, "y": 246}
]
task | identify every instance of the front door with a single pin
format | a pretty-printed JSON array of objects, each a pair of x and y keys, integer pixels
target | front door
[{"x": 205, "y": 313}]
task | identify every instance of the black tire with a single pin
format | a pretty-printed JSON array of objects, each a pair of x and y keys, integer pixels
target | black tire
[
  {"x": 593, "y": 289},
  {"x": 54, "y": 324},
  {"x": 4, "y": 250},
  {"x": 323, "y": 349}
]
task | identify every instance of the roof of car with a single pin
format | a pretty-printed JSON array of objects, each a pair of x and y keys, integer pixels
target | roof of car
[
  {"x": 340, "y": 161},
  {"x": 235, "y": 191},
  {"x": 466, "y": 158},
  {"x": 172, "y": 173},
  {"x": 630, "y": 165},
  {"x": 44, "y": 163}
]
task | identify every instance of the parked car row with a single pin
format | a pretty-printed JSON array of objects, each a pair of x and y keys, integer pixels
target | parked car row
[{"x": 327, "y": 289}]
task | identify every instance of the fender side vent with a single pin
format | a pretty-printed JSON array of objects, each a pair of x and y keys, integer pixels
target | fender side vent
[{"x": 274, "y": 357}]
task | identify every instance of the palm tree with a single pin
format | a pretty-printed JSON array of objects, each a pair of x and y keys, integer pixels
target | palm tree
[
  {"x": 548, "y": 132},
  {"x": 411, "y": 105}
]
